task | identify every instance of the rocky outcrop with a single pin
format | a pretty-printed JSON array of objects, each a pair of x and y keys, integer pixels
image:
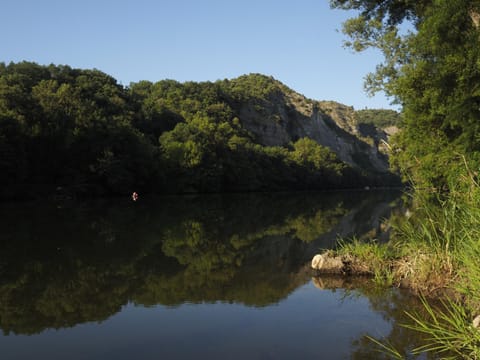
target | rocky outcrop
[{"x": 285, "y": 116}]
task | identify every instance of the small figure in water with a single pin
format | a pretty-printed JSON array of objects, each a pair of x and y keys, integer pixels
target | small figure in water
[{"x": 134, "y": 196}]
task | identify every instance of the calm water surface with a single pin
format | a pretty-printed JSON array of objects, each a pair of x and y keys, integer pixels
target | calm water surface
[{"x": 210, "y": 277}]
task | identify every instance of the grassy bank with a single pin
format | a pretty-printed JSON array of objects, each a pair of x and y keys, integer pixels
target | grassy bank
[{"x": 435, "y": 252}]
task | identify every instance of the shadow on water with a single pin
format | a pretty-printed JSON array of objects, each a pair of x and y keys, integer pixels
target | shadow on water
[
  {"x": 69, "y": 263},
  {"x": 392, "y": 305}
]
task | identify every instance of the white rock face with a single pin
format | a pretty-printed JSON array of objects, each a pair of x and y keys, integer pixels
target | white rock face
[{"x": 289, "y": 116}]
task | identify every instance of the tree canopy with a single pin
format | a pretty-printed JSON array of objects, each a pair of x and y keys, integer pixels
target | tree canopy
[
  {"x": 80, "y": 132},
  {"x": 433, "y": 72},
  {"x": 381, "y": 118}
]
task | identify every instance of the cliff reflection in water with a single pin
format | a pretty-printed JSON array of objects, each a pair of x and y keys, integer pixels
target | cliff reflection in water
[{"x": 65, "y": 265}]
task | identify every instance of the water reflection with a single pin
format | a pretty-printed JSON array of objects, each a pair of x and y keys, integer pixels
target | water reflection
[
  {"x": 67, "y": 264},
  {"x": 64, "y": 264},
  {"x": 392, "y": 305}
]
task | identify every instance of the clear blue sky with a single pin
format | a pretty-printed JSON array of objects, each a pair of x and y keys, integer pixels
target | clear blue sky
[{"x": 296, "y": 42}]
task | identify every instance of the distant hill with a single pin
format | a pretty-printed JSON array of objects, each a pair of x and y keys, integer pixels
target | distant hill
[
  {"x": 72, "y": 131},
  {"x": 277, "y": 115}
]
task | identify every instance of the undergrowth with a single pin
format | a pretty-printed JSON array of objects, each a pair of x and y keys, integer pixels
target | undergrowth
[{"x": 435, "y": 252}]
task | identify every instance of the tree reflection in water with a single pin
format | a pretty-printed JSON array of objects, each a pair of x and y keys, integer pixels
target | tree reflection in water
[
  {"x": 393, "y": 305},
  {"x": 66, "y": 264}
]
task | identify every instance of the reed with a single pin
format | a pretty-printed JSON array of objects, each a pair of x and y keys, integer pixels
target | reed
[
  {"x": 448, "y": 331},
  {"x": 436, "y": 253}
]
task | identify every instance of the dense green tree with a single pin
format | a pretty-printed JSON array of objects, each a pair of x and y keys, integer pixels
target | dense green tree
[
  {"x": 151, "y": 116},
  {"x": 319, "y": 164},
  {"x": 70, "y": 127},
  {"x": 313, "y": 156},
  {"x": 433, "y": 72},
  {"x": 13, "y": 162},
  {"x": 82, "y": 132},
  {"x": 380, "y": 118}
]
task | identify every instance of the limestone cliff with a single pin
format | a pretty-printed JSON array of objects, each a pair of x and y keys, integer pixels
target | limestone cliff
[{"x": 283, "y": 116}]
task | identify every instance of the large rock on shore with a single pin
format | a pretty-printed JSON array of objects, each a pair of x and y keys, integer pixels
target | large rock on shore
[{"x": 328, "y": 263}]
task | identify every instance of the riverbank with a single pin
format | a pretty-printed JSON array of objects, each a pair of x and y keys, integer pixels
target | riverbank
[
  {"x": 373, "y": 262},
  {"x": 433, "y": 252}
]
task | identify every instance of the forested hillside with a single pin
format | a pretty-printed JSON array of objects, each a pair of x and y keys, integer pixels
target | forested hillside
[{"x": 79, "y": 132}]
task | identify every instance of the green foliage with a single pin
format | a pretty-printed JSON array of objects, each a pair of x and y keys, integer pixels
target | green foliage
[
  {"x": 80, "y": 130},
  {"x": 253, "y": 86},
  {"x": 381, "y": 118},
  {"x": 389, "y": 12},
  {"x": 320, "y": 163},
  {"x": 13, "y": 165},
  {"x": 439, "y": 90},
  {"x": 70, "y": 127},
  {"x": 433, "y": 72},
  {"x": 436, "y": 248},
  {"x": 448, "y": 330},
  {"x": 377, "y": 256}
]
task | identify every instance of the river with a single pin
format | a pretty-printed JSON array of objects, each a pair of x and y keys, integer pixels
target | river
[{"x": 181, "y": 277}]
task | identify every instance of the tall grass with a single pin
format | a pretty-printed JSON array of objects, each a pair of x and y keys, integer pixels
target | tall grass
[
  {"x": 440, "y": 247},
  {"x": 373, "y": 257},
  {"x": 448, "y": 331},
  {"x": 429, "y": 244},
  {"x": 436, "y": 252}
]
